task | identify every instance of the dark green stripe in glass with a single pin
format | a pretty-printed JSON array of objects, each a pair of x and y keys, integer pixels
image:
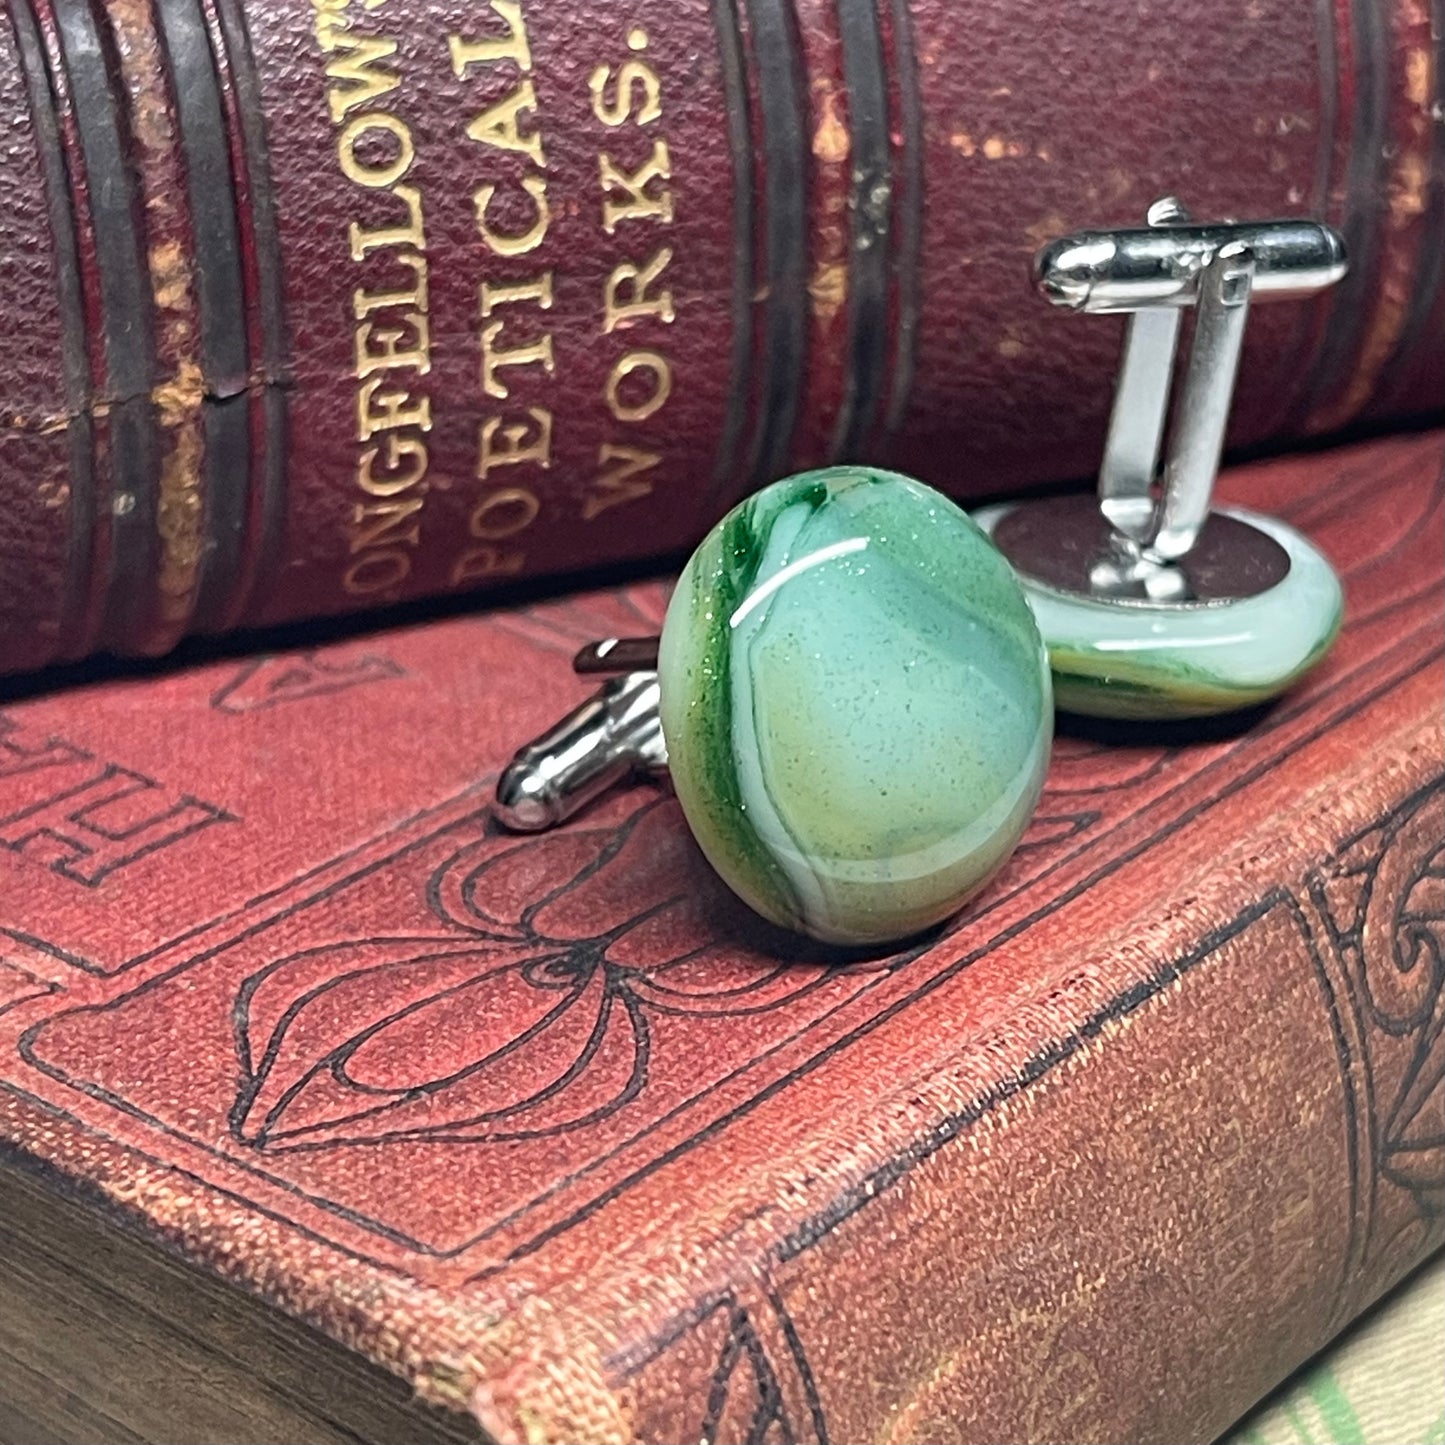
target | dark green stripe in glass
[{"x": 739, "y": 560}]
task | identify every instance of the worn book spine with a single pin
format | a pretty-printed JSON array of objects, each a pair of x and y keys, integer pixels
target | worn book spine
[{"x": 315, "y": 305}]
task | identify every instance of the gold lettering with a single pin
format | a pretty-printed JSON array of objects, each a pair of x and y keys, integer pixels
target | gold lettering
[
  {"x": 518, "y": 509},
  {"x": 373, "y": 522},
  {"x": 508, "y": 293},
  {"x": 387, "y": 410},
  {"x": 511, "y": 46},
  {"x": 508, "y": 444},
  {"x": 638, "y": 204},
  {"x": 486, "y": 561},
  {"x": 658, "y": 391},
  {"x": 331, "y": 22},
  {"x": 618, "y": 108},
  {"x": 375, "y": 150},
  {"x": 640, "y": 381},
  {"x": 357, "y": 67},
  {"x": 622, "y": 483},
  {"x": 376, "y": 572},
  {"x": 494, "y": 357},
  {"x": 505, "y": 226},
  {"x": 639, "y": 304},
  {"x": 388, "y": 173},
  {"x": 397, "y": 448},
  {"x": 389, "y": 355},
  {"x": 500, "y": 125},
  {"x": 515, "y": 243},
  {"x": 363, "y": 303},
  {"x": 410, "y": 234}
]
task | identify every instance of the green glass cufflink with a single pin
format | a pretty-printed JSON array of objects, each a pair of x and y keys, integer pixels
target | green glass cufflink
[
  {"x": 1152, "y": 605},
  {"x": 851, "y": 695}
]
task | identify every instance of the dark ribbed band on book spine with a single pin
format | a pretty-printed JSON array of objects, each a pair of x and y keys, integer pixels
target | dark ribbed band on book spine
[
  {"x": 740, "y": 148},
  {"x": 782, "y": 354},
  {"x": 870, "y": 213},
  {"x": 265, "y": 314},
  {"x": 879, "y": 194},
  {"x": 1413, "y": 375},
  {"x": 220, "y": 287},
  {"x": 105, "y": 212},
  {"x": 1349, "y": 303},
  {"x": 901, "y": 66},
  {"x": 1376, "y": 344},
  {"x": 84, "y": 121},
  {"x": 77, "y": 609}
]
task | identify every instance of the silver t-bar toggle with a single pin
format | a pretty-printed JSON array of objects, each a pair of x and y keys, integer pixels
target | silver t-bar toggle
[
  {"x": 616, "y": 733},
  {"x": 1152, "y": 273}
]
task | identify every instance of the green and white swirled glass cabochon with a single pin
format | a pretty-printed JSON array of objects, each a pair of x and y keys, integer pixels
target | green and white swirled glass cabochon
[
  {"x": 1179, "y": 662},
  {"x": 856, "y": 704}
]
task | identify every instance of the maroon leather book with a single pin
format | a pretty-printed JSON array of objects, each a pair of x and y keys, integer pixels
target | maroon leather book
[
  {"x": 320, "y": 304},
  {"x": 551, "y": 1128}
]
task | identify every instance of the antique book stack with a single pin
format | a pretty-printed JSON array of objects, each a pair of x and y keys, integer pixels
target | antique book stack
[{"x": 331, "y": 1111}]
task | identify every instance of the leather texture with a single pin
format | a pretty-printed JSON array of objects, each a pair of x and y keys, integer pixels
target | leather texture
[
  {"x": 552, "y": 1128},
  {"x": 834, "y": 265}
]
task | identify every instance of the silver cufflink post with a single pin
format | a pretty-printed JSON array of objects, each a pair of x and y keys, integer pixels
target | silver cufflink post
[
  {"x": 615, "y": 734},
  {"x": 1149, "y": 536}
]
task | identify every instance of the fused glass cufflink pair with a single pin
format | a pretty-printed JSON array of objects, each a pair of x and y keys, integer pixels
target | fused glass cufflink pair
[{"x": 855, "y": 683}]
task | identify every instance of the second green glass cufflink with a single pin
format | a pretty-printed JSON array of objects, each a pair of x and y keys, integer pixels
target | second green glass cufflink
[{"x": 1152, "y": 605}]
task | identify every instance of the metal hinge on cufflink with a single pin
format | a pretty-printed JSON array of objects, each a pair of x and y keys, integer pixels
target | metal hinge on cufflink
[
  {"x": 1149, "y": 537},
  {"x": 615, "y": 734}
]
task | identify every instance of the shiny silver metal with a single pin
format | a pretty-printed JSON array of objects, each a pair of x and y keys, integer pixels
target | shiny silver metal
[
  {"x": 1159, "y": 265},
  {"x": 617, "y": 654},
  {"x": 1144, "y": 552},
  {"x": 615, "y": 734},
  {"x": 1136, "y": 424},
  {"x": 1060, "y": 542},
  {"x": 1198, "y": 441}
]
